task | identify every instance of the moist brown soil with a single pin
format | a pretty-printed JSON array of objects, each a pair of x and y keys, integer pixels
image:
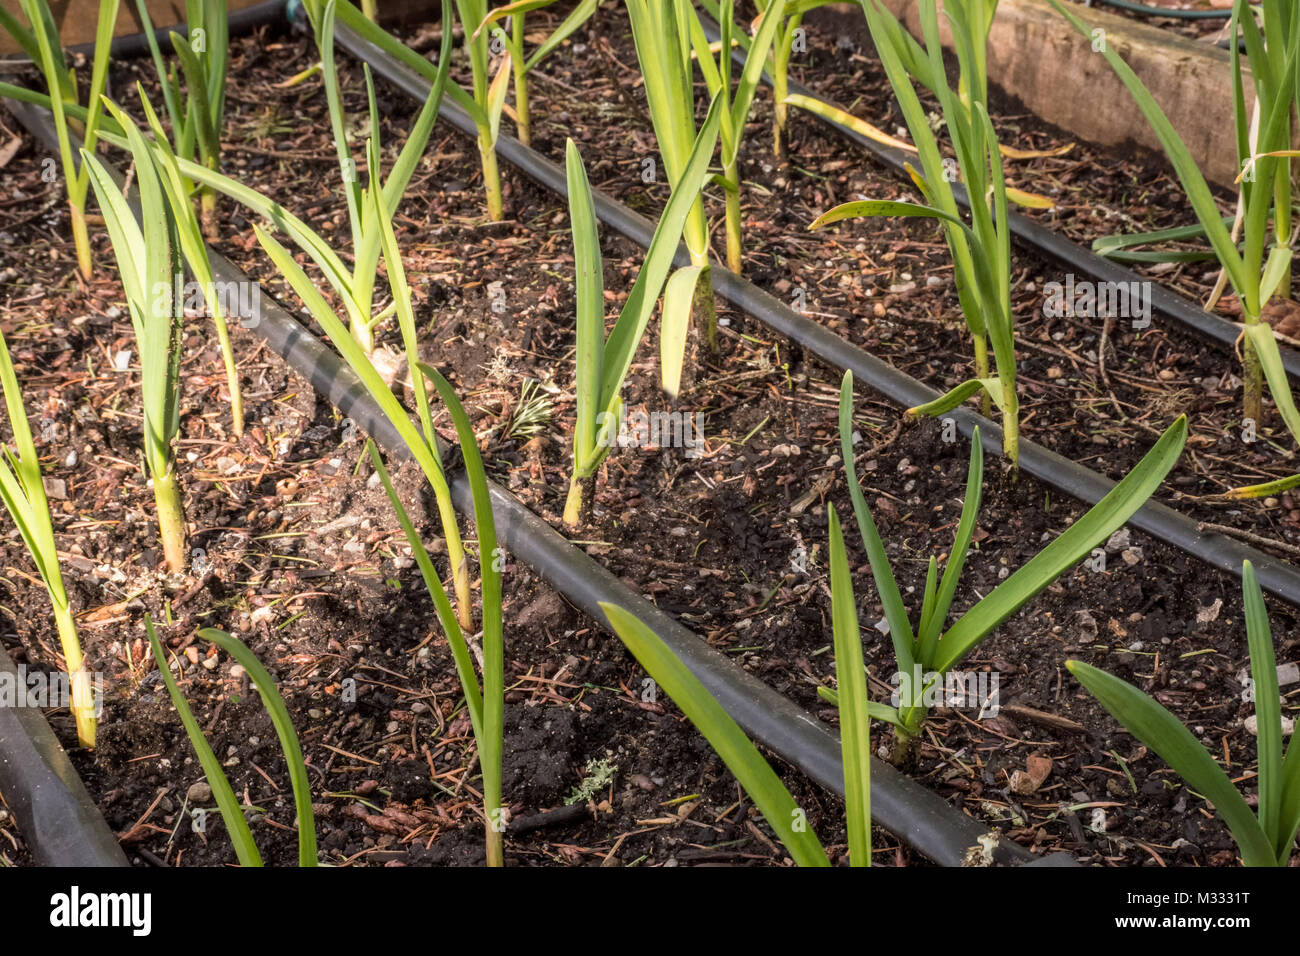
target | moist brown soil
[{"x": 303, "y": 559}]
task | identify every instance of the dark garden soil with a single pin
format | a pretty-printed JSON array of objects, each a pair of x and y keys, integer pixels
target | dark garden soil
[{"x": 302, "y": 558}]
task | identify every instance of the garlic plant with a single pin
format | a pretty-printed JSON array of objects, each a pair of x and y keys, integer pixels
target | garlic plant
[
  {"x": 661, "y": 30},
  {"x": 935, "y": 647},
  {"x": 486, "y": 703},
  {"x": 198, "y": 116},
  {"x": 981, "y": 250},
  {"x": 149, "y": 263},
  {"x": 522, "y": 63},
  {"x": 40, "y": 41},
  {"x": 23, "y": 491},
  {"x": 1265, "y": 836},
  {"x": 229, "y": 805},
  {"x": 357, "y": 285},
  {"x": 1261, "y": 269},
  {"x": 376, "y": 209},
  {"x": 189, "y": 235},
  {"x": 735, "y": 103},
  {"x": 602, "y": 363}
]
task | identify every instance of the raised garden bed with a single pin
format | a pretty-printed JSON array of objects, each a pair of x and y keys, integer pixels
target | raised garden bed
[{"x": 302, "y": 557}]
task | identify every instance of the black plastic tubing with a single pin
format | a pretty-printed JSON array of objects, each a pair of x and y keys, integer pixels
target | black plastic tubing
[
  {"x": 1074, "y": 256},
  {"x": 918, "y": 817},
  {"x": 137, "y": 44},
  {"x": 1167, "y": 12},
  {"x": 240, "y": 21},
  {"x": 1156, "y": 519}
]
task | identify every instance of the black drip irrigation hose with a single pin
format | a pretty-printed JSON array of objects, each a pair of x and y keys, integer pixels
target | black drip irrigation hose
[
  {"x": 133, "y": 45},
  {"x": 1168, "y": 12},
  {"x": 918, "y": 817},
  {"x": 240, "y": 21},
  {"x": 1052, "y": 244},
  {"x": 1158, "y": 520}
]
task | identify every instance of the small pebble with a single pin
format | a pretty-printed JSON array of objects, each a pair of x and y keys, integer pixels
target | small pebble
[
  {"x": 1252, "y": 726},
  {"x": 1119, "y": 540},
  {"x": 199, "y": 793}
]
